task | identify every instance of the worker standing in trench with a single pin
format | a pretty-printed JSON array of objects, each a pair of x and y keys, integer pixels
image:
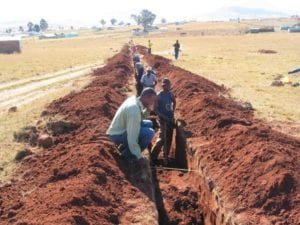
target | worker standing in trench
[
  {"x": 149, "y": 78},
  {"x": 136, "y": 57},
  {"x": 129, "y": 130},
  {"x": 139, "y": 71},
  {"x": 164, "y": 108}
]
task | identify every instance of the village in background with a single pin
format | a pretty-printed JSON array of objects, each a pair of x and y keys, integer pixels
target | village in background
[{"x": 12, "y": 34}]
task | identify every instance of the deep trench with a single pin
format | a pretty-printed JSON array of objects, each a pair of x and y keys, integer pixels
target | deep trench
[{"x": 176, "y": 204}]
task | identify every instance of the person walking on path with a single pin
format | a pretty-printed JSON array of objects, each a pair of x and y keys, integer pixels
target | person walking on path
[
  {"x": 176, "y": 49},
  {"x": 164, "y": 108},
  {"x": 149, "y": 78},
  {"x": 130, "y": 130},
  {"x": 149, "y": 47}
]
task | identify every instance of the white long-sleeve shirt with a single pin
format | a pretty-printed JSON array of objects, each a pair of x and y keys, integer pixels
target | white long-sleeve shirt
[{"x": 128, "y": 118}]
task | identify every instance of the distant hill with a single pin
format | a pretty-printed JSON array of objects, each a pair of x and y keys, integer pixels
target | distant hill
[{"x": 226, "y": 13}]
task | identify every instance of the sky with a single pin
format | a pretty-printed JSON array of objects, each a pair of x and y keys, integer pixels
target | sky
[{"x": 92, "y": 11}]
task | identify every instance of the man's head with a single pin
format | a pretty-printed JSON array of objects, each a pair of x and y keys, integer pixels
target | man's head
[
  {"x": 148, "y": 97},
  {"x": 166, "y": 84},
  {"x": 149, "y": 69}
]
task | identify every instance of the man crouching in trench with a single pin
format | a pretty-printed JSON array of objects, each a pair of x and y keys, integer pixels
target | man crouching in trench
[{"x": 129, "y": 130}]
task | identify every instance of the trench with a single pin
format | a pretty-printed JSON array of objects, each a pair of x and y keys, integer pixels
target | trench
[
  {"x": 176, "y": 192},
  {"x": 177, "y": 196},
  {"x": 212, "y": 176}
]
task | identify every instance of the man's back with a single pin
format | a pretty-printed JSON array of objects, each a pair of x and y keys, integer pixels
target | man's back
[
  {"x": 130, "y": 108},
  {"x": 148, "y": 80},
  {"x": 136, "y": 57},
  {"x": 139, "y": 70}
]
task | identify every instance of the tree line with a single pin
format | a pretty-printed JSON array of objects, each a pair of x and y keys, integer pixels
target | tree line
[{"x": 145, "y": 18}]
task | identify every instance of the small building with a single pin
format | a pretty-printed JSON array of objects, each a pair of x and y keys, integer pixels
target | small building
[
  {"x": 9, "y": 45},
  {"x": 254, "y": 30},
  {"x": 47, "y": 36}
]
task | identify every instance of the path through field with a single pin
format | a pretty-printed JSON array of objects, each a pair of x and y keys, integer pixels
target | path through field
[{"x": 17, "y": 93}]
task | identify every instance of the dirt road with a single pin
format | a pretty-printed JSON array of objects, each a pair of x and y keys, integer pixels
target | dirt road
[{"x": 17, "y": 93}]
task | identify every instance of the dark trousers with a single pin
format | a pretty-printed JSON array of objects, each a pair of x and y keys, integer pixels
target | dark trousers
[
  {"x": 164, "y": 140},
  {"x": 176, "y": 54}
]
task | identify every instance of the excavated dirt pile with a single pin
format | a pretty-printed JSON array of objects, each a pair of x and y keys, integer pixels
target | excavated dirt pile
[
  {"x": 81, "y": 179},
  {"x": 248, "y": 173}
]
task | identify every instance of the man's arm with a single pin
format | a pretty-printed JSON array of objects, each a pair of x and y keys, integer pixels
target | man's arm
[
  {"x": 142, "y": 80},
  {"x": 174, "y": 102},
  {"x": 155, "y": 79},
  {"x": 160, "y": 115},
  {"x": 133, "y": 121}
]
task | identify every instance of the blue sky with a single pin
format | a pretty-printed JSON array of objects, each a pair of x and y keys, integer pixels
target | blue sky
[{"x": 91, "y": 11}]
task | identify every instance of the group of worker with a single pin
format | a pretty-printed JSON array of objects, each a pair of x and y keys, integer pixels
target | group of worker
[
  {"x": 131, "y": 129},
  {"x": 176, "y": 47},
  {"x": 143, "y": 78}
]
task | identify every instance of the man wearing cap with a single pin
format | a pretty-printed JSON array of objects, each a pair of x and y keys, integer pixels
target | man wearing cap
[
  {"x": 164, "y": 108},
  {"x": 149, "y": 78},
  {"x": 129, "y": 128}
]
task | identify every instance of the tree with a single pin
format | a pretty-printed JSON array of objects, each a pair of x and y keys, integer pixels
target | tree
[
  {"x": 121, "y": 23},
  {"x": 36, "y": 28},
  {"x": 21, "y": 29},
  {"x": 145, "y": 18},
  {"x": 113, "y": 21},
  {"x": 8, "y": 30},
  {"x": 43, "y": 24},
  {"x": 30, "y": 26},
  {"x": 163, "y": 20},
  {"x": 103, "y": 22}
]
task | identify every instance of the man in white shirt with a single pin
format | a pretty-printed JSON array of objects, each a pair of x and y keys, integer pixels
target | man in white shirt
[
  {"x": 129, "y": 128},
  {"x": 149, "y": 78}
]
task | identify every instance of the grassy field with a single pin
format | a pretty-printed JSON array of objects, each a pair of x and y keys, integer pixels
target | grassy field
[
  {"x": 219, "y": 51},
  {"x": 45, "y": 56},
  {"x": 234, "y": 60}
]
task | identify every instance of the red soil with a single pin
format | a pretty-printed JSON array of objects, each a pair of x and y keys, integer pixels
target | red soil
[
  {"x": 256, "y": 168},
  {"x": 177, "y": 197}
]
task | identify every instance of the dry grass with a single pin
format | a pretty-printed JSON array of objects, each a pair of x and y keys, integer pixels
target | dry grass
[
  {"x": 234, "y": 60},
  {"x": 45, "y": 56}
]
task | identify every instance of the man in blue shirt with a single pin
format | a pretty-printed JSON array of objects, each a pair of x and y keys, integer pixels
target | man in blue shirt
[{"x": 164, "y": 108}]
